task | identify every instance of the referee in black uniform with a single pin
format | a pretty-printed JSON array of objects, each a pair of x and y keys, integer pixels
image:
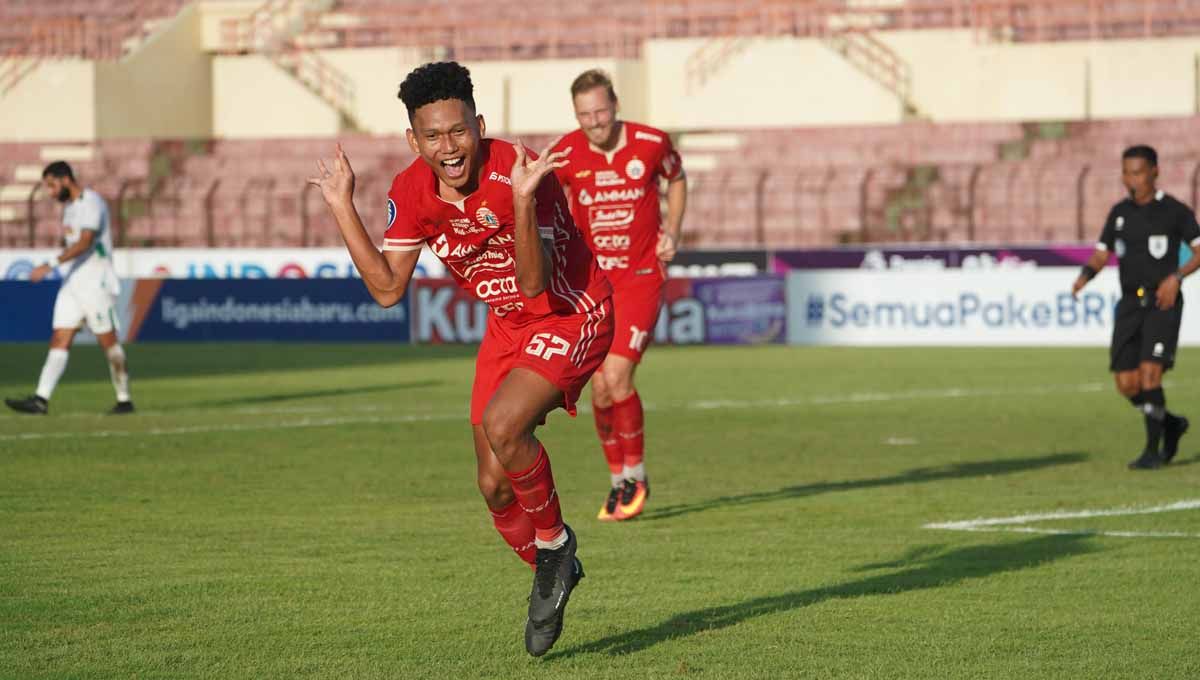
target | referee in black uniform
[{"x": 1145, "y": 232}]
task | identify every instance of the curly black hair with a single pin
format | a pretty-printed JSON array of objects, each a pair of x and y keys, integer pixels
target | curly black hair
[{"x": 435, "y": 82}]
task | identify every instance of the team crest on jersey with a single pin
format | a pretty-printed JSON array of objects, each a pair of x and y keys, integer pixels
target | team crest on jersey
[
  {"x": 487, "y": 218},
  {"x": 635, "y": 168},
  {"x": 1120, "y": 222},
  {"x": 391, "y": 212},
  {"x": 1157, "y": 246}
]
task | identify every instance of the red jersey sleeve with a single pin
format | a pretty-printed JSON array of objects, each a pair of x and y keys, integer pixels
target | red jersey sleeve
[
  {"x": 403, "y": 232},
  {"x": 669, "y": 165},
  {"x": 564, "y": 173}
]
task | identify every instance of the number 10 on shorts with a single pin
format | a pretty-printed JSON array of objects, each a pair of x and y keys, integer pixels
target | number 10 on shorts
[{"x": 546, "y": 346}]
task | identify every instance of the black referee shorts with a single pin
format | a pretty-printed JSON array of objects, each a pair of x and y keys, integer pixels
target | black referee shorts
[{"x": 1144, "y": 334}]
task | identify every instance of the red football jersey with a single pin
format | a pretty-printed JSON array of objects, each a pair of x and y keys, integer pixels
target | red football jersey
[
  {"x": 475, "y": 238},
  {"x": 614, "y": 198}
]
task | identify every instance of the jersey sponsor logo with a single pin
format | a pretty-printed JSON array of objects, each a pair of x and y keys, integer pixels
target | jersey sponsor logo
[
  {"x": 508, "y": 308},
  {"x": 485, "y": 290},
  {"x": 582, "y": 173},
  {"x": 1120, "y": 222},
  {"x": 616, "y": 262},
  {"x": 1157, "y": 246},
  {"x": 641, "y": 134},
  {"x": 465, "y": 227},
  {"x": 497, "y": 177},
  {"x": 487, "y": 218},
  {"x": 391, "y": 212},
  {"x": 1119, "y": 248},
  {"x": 610, "y": 196},
  {"x": 611, "y": 241},
  {"x": 502, "y": 239},
  {"x": 635, "y": 168},
  {"x": 610, "y": 217},
  {"x": 441, "y": 246},
  {"x": 609, "y": 178}
]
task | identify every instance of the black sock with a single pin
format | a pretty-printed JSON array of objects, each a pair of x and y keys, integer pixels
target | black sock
[{"x": 1154, "y": 410}]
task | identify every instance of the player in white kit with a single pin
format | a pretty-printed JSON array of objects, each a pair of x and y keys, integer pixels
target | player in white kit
[{"x": 89, "y": 290}]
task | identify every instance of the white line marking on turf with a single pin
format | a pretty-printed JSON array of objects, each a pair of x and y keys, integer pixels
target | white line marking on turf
[
  {"x": 1017, "y": 523},
  {"x": 697, "y": 405},
  {"x": 248, "y": 427}
]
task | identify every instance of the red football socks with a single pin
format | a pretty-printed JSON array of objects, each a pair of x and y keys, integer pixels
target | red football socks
[
  {"x": 516, "y": 530},
  {"x": 535, "y": 492},
  {"x": 614, "y": 453},
  {"x": 629, "y": 424}
]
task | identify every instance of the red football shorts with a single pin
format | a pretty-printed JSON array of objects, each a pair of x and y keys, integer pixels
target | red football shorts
[
  {"x": 565, "y": 350},
  {"x": 636, "y": 307}
]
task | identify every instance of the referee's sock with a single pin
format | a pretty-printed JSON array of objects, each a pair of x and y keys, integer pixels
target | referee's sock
[
  {"x": 1154, "y": 410},
  {"x": 52, "y": 371}
]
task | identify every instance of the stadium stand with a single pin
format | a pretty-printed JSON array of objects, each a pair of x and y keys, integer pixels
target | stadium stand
[{"x": 997, "y": 182}]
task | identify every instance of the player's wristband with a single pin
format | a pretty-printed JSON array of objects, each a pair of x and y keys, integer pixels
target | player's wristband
[
  {"x": 1088, "y": 272},
  {"x": 1178, "y": 275}
]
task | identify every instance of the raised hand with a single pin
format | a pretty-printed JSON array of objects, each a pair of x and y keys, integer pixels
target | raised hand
[
  {"x": 336, "y": 184},
  {"x": 526, "y": 175}
]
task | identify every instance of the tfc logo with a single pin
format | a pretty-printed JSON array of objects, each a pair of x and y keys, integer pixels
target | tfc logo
[
  {"x": 638, "y": 339},
  {"x": 546, "y": 346},
  {"x": 618, "y": 262},
  {"x": 493, "y": 287},
  {"x": 611, "y": 241}
]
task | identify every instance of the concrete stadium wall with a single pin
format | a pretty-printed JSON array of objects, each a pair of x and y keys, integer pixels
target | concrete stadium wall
[
  {"x": 56, "y": 101},
  {"x": 254, "y": 98},
  {"x": 163, "y": 89}
]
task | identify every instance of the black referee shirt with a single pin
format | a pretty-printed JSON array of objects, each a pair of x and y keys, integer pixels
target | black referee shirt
[{"x": 1146, "y": 239}]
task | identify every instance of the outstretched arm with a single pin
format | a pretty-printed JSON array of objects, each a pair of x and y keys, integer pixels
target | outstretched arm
[{"x": 386, "y": 275}]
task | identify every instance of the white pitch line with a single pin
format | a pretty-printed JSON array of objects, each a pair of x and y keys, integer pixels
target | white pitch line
[
  {"x": 1017, "y": 523},
  {"x": 250, "y": 427},
  {"x": 1071, "y": 532}
]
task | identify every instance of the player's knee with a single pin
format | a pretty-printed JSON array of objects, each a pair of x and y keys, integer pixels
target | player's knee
[
  {"x": 496, "y": 490},
  {"x": 503, "y": 429},
  {"x": 601, "y": 397},
  {"x": 1151, "y": 380},
  {"x": 620, "y": 386}
]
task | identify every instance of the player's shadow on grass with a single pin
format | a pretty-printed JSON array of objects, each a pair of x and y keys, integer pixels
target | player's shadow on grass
[
  {"x": 915, "y": 476},
  {"x": 260, "y": 399},
  {"x": 918, "y": 571}
]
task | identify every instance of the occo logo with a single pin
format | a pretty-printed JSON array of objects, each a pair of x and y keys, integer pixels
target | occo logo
[{"x": 493, "y": 287}]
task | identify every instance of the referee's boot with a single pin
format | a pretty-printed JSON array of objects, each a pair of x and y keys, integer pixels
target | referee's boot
[
  {"x": 1173, "y": 431},
  {"x": 33, "y": 405},
  {"x": 1149, "y": 460}
]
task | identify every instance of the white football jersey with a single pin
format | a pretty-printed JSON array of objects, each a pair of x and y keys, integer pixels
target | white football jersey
[{"x": 94, "y": 267}]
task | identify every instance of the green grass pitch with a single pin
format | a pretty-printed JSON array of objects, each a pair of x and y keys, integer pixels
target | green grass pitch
[{"x": 310, "y": 511}]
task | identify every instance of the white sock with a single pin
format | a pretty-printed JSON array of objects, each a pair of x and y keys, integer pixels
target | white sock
[
  {"x": 52, "y": 371},
  {"x": 116, "y": 369},
  {"x": 617, "y": 479},
  {"x": 558, "y": 542},
  {"x": 636, "y": 473}
]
